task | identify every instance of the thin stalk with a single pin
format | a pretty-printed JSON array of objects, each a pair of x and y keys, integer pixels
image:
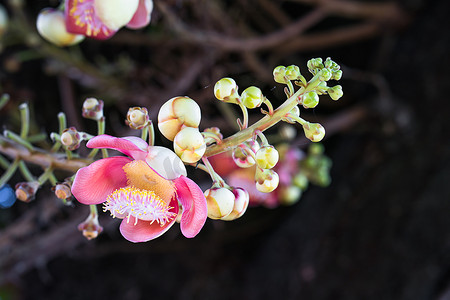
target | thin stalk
[
  {"x": 45, "y": 176},
  {"x": 4, "y": 163},
  {"x": 9, "y": 172},
  {"x": 245, "y": 114},
  {"x": 3, "y": 100},
  {"x": 16, "y": 138},
  {"x": 25, "y": 120},
  {"x": 25, "y": 171},
  {"x": 214, "y": 176}
]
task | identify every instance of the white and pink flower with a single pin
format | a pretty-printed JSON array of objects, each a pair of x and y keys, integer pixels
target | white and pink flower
[{"x": 144, "y": 189}]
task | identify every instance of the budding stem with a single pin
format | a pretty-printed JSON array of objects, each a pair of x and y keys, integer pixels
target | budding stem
[
  {"x": 25, "y": 120},
  {"x": 9, "y": 172}
]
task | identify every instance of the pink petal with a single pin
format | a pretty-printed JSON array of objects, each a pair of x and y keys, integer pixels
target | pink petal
[
  {"x": 142, "y": 15},
  {"x": 81, "y": 19},
  {"x": 95, "y": 182},
  {"x": 131, "y": 146},
  {"x": 193, "y": 201},
  {"x": 145, "y": 231}
]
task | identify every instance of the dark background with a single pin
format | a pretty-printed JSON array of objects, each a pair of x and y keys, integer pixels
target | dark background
[{"x": 381, "y": 230}]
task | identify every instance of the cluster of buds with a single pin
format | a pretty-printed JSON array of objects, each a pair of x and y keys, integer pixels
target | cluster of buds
[
  {"x": 226, "y": 203},
  {"x": 178, "y": 121}
]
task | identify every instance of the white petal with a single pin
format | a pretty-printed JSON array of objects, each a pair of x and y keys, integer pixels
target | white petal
[
  {"x": 115, "y": 13},
  {"x": 165, "y": 162}
]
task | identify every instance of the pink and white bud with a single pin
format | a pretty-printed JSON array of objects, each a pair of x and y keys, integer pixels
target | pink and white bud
[
  {"x": 242, "y": 158},
  {"x": 266, "y": 180},
  {"x": 267, "y": 157},
  {"x": 241, "y": 201},
  {"x": 51, "y": 26},
  {"x": 137, "y": 117},
  {"x": 189, "y": 145},
  {"x": 71, "y": 138},
  {"x": 115, "y": 14},
  {"x": 176, "y": 114},
  {"x": 220, "y": 202},
  {"x": 92, "y": 109}
]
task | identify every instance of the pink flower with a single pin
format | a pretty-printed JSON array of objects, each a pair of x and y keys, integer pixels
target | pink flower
[
  {"x": 101, "y": 19},
  {"x": 144, "y": 189}
]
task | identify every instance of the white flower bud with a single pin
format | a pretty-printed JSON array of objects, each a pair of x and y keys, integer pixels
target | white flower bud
[
  {"x": 241, "y": 201},
  {"x": 226, "y": 90},
  {"x": 189, "y": 145},
  {"x": 220, "y": 202},
  {"x": 252, "y": 97},
  {"x": 314, "y": 131},
  {"x": 266, "y": 180},
  {"x": 51, "y": 26},
  {"x": 267, "y": 157}
]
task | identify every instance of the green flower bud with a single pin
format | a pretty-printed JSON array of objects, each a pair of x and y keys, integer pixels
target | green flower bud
[
  {"x": 301, "y": 181},
  {"x": 314, "y": 63},
  {"x": 226, "y": 90},
  {"x": 267, "y": 157},
  {"x": 220, "y": 202},
  {"x": 310, "y": 100},
  {"x": 266, "y": 180},
  {"x": 316, "y": 149},
  {"x": 335, "y": 92},
  {"x": 137, "y": 117},
  {"x": 290, "y": 195},
  {"x": 325, "y": 74},
  {"x": 279, "y": 74},
  {"x": 337, "y": 75},
  {"x": 252, "y": 97},
  {"x": 292, "y": 72},
  {"x": 314, "y": 131},
  {"x": 189, "y": 144}
]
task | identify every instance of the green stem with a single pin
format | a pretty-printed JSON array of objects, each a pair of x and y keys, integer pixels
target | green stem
[
  {"x": 211, "y": 136},
  {"x": 9, "y": 172},
  {"x": 93, "y": 208},
  {"x": 25, "y": 120},
  {"x": 264, "y": 141},
  {"x": 62, "y": 122},
  {"x": 37, "y": 138},
  {"x": 151, "y": 137},
  {"x": 263, "y": 124},
  {"x": 144, "y": 133},
  {"x": 291, "y": 88},
  {"x": 245, "y": 113},
  {"x": 100, "y": 131},
  {"x": 26, "y": 172},
  {"x": 16, "y": 138},
  {"x": 53, "y": 180},
  {"x": 214, "y": 176},
  {"x": 3, "y": 100},
  {"x": 45, "y": 176},
  {"x": 4, "y": 163},
  {"x": 269, "y": 105}
]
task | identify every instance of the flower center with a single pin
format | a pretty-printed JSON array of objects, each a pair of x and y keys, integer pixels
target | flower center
[
  {"x": 141, "y": 204},
  {"x": 84, "y": 14}
]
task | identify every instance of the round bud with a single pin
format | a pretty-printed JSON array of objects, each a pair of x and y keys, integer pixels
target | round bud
[
  {"x": 241, "y": 201},
  {"x": 189, "y": 145},
  {"x": 337, "y": 75},
  {"x": 314, "y": 63},
  {"x": 292, "y": 72},
  {"x": 325, "y": 74},
  {"x": 51, "y": 26},
  {"x": 137, "y": 117},
  {"x": 71, "y": 138},
  {"x": 7, "y": 196},
  {"x": 176, "y": 114},
  {"x": 335, "y": 92},
  {"x": 25, "y": 191},
  {"x": 279, "y": 74},
  {"x": 267, "y": 157},
  {"x": 62, "y": 191},
  {"x": 92, "y": 109},
  {"x": 226, "y": 90},
  {"x": 310, "y": 100},
  {"x": 314, "y": 131},
  {"x": 290, "y": 195},
  {"x": 220, "y": 202},
  {"x": 266, "y": 180},
  {"x": 242, "y": 158},
  {"x": 301, "y": 181},
  {"x": 252, "y": 97}
]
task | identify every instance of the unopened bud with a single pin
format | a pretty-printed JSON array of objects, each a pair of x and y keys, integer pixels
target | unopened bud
[
  {"x": 325, "y": 74},
  {"x": 337, "y": 75},
  {"x": 290, "y": 195},
  {"x": 3, "y": 20},
  {"x": 314, "y": 131},
  {"x": 220, "y": 202},
  {"x": 292, "y": 72},
  {"x": 71, "y": 138},
  {"x": 252, "y": 97},
  {"x": 226, "y": 90},
  {"x": 25, "y": 191},
  {"x": 189, "y": 145},
  {"x": 90, "y": 227},
  {"x": 241, "y": 200},
  {"x": 267, "y": 157},
  {"x": 51, "y": 26},
  {"x": 266, "y": 180},
  {"x": 301, "y": 181},
  {"x": 242, "y": 158},
  {"x": 137, "y": 117},
  {"x": 310, "y": 100},
  {"x": 7, "y": 196},
  {"x": 92, "y": 109},
  {"x": 314, "y": 63},
  {"x": 279, "y": 74},
  {"x": 62, "y": 191},
  {"x": 335, "y": 92},
  {"x": 176, "y": 114}
]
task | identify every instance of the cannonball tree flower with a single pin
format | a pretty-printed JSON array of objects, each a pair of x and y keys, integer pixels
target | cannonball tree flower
[
  {"x": 101, "y": 19},
  {"x": 144, "y": 189}
]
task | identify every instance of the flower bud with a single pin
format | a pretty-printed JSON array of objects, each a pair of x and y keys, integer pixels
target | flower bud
[
  {"x": 51, "y": 26},
  {"x": 337, "y": 75},
  {"x": 241, "y": 201},
  {"x": 301, "y": 181},
  {"x": 92, "y": 109},
  {"x": 314, "y": 131},
  {"x": 335, "y": 92},
  {"x": 266, "y": 180},
  {"x": 25, "y": 191},
  {"x": 252, "y": 97},
  {"x": 279, "y": 74},
  {"x": 310, "y": 100},
  {"x": 290, "y": 195},
  {"x": 291, "y": 116},
  {"x": 314, "y": 63},
  {"x": 137, "y": 117},
  {"x": 176, "y": 114},
  {"x": 7, "y": 196},
  {"x": 220, "y": 202},
  {"x": 3, "y": 22},
  {"x": 90, "y": 227},
  {"x": 63, "y": 191},
  {"x": 292, "y": 72},
  {"x": 226, "y": 90},
  {"x": 242, "y": 158},
  {"x": 325, "y": 74},
  {"x": 71, "y": 138},
  {"x": 267, "y": 157},
  {"x": 189, "y": 145}
]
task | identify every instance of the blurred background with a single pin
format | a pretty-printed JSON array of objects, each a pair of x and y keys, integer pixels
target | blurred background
[{"x": 380, "y": 230}]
